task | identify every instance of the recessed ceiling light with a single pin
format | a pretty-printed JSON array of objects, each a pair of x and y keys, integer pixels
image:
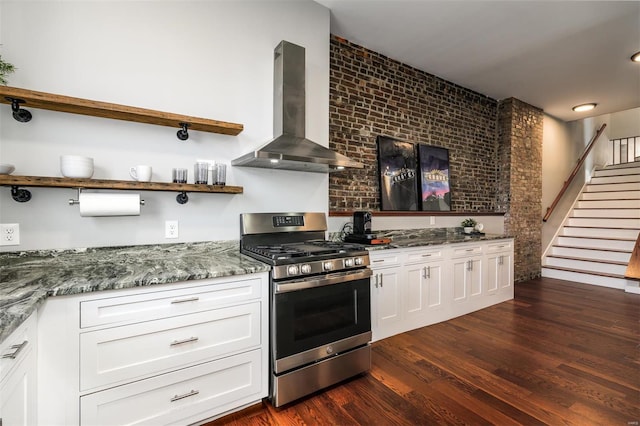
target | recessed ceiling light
[
  {"x": 636, "y": 57},
  {"x": 584, "y": 107}
]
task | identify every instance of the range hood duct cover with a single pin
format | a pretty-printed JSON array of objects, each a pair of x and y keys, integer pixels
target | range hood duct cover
[{"x": 290, "y": 149}]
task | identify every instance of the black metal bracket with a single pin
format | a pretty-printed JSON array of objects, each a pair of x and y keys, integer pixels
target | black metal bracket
[
  {"x": 20, "y": 195},
  {"x": 182, "y": 198},
  {"x": 19, "y": 114},
  {"x": 183, "y": 133}
]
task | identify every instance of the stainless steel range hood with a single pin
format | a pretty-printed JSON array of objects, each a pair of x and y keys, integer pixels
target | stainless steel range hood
[{"x": 289, "y": 149}]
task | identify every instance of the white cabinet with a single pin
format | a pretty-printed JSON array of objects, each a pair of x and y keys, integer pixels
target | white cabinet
[
  {"x": 467, "y": 280},
  {"x": 424, "y": 285},
  {"x": 168, "y": 354},
  {"x": 500, "y": 268},
  {"x": 416, "y": 287},
  {"x": 18, "y": 393},
  {"x": 385, "y": 294}
]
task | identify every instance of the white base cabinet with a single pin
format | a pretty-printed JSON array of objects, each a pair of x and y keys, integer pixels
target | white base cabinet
[
  {"x": 416, "y": 287},
  {"x": 18, "y": 392},
  {"x": 178, "y": 353}
]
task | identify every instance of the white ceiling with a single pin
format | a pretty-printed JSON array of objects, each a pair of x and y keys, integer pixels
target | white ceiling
[{"x": 550, "y": 54}]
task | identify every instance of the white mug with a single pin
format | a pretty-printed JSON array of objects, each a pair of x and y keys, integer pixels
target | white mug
[{"x": 141, "y": 173}]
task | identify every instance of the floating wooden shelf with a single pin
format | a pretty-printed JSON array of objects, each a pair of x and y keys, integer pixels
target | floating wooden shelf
[
  {"x": 108, "y": 110},
  {"x": 56, "y": 182}
]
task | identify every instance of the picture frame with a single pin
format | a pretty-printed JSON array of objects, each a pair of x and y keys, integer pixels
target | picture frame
[
  {"x": 433, "y": 171},
  {"x": 397, "y": 170}
]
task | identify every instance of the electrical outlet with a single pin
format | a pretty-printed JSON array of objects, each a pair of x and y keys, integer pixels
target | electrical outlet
[
  {"x": 171, "y": 229},
  {"x": 9, "y": 234}
]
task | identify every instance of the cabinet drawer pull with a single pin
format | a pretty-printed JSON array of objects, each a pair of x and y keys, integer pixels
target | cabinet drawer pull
[
  {"x": 182, "y": 342},
  {"x": 185, "y": 395},
  {"x": 426, "y": 255},
  {"x": 470, "y": 249},
  {"x": 378, "y": 261},
  {"x": 189, "y": 299},
  {"x": 17, "y": 349}
]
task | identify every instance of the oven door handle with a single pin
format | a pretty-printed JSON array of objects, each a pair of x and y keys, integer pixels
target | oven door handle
[{"x": 324, "y": 280}]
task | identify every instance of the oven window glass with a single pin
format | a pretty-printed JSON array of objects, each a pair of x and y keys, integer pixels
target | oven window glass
[{"x": 309, "y": 318}]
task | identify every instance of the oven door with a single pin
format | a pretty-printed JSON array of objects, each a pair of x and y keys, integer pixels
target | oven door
[{"x": 320, "y": 317}]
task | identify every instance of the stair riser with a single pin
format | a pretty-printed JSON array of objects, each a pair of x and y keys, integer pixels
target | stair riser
[
  {"x": 584, "y": 265},
  {"x": 584, "y": 278},
  {"x": 596, "y": 243},
  {"x": 617, "y": 172},
  {"x": 610, "y": 212},
  {"x": 629, "y": 234},
  {"x": 630, "y": 165},
  {"x": 611, "y": 195},
  {"x": 604, "y": 222},
  {"x": 613, "y": 256},
  {"x": 610, "y": 204},
  {"x": 615, "y": 179},
  {"x": 630, "y": 186}
]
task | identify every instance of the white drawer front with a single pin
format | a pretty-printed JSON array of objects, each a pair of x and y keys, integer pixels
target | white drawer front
[
  {"x": 500, "y": 246},
  {"x": 167, "y": 303},
  {"x": 466, "y": 251},
  {"x": 121, "y": 354},
  {"x": 179, "y": 397},
  {"x": 424, "y": 256},
  {"x": 378, "y": 260},
  {"x": 16, "y": 347}
]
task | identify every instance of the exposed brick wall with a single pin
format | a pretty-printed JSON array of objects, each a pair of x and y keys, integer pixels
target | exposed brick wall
[
  {"x": 373, "y": 95},
  {"x": 520, "y": 182}
]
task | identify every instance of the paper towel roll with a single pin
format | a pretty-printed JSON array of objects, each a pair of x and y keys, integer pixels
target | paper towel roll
[{"x": 105, "y": 204}]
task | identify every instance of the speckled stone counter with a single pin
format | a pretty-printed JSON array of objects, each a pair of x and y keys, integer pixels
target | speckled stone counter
[
  {"x": 28, "y": 278},
  {"x": 432, "y": 236},
  {"x": 405, "y": 238}
]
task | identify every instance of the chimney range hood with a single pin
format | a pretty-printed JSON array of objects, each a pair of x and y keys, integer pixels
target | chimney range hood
[{"x": 289, "y": 149}]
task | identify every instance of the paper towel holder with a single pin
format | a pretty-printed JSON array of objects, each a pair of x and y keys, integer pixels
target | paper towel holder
[{"x": 73, "y": 202}]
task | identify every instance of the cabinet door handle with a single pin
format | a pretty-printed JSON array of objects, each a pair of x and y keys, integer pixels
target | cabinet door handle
[
  {"x": 189, "y": 299},
  {"x": 16, "y": 350},
  {"x": 428, "y": 272},
  {"x": 182, "y": 342},
  {"x": 501, "y": 260},
  {"x": 381, "y": 276},
  {"x": 184, "y": 395},
  {"x": 470, "y": 265}
]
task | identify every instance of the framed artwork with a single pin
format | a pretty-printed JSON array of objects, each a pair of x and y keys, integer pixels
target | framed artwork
[
  {"x": 435, "y": 193},
  {"x": 397, "y": 170}
]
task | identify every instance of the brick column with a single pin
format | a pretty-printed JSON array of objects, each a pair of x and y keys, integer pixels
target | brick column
[{"x": 520, "y": 182}]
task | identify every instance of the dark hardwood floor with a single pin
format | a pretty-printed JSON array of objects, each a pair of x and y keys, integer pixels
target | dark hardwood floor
[{"x": 560, "y": 353}]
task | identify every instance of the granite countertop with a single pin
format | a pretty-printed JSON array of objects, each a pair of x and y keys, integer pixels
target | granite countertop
[
  {"x": 430, "y": 237},
  {"x": 28, "y": 278}
]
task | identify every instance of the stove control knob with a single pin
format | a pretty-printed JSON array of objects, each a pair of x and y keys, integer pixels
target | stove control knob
[
  {"x": 329, "y": 350},
  {"x": 359, "y": 261},
  {"x": 305, "y": 269},
  {"x": 293, "y": 270},
  {"x": 327, "y": 266},
  {"x": 348, "y": 263}
]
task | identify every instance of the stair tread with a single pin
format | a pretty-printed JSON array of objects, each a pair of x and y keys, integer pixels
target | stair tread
[
  {"x": 586, "y": 259},
  {"x": 597, "y": 238},
  {"x": 581, "y": 271},
  {"x": 600, "y": 227},
  {"x": 592, "y": 248}
]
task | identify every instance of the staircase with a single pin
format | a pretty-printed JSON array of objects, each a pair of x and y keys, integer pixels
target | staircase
[{"x": 596, "y": 239}]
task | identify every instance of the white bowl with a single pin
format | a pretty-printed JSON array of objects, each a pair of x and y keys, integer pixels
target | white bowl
[
  {"x": 74, "y": 166},
  {"x": 6, "y": 169}
]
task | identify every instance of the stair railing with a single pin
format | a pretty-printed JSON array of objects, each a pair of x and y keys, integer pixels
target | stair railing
[{"x": 573, "y": 173}]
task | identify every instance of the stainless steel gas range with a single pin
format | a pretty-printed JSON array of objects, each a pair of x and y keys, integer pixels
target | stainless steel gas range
[{"x": 320, "y": 302}]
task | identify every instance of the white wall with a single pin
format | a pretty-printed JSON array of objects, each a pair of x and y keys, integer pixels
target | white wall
[{"x": 211, "y": 59}]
